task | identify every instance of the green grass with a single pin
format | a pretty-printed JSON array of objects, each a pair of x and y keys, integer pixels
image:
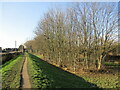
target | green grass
[
  {"x": 55, "y": 77},
  {"x": 8, "y": 62},
  {"x": 11, "y": 73},
  {"x": 103, "y": 80},
  {"x": 111, "y": 64},
  {"x": 37, "y": 78}
]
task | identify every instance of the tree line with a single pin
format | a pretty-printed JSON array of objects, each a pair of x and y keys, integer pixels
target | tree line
[{"x": 78, "y": 37}]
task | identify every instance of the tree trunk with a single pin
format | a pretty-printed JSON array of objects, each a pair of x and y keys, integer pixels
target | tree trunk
[{"x": 100, "y": 62}]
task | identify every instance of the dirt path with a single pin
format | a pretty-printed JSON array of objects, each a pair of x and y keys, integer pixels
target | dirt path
[{"x": 25, "y": 76}]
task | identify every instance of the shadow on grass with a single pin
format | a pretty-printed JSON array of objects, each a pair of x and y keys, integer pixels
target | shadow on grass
[
  {"x": 61, "y": 78},
  {"x": 8, "y": 62}
]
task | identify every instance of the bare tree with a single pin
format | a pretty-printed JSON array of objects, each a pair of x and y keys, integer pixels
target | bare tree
[{"x": 83, "y": 35}]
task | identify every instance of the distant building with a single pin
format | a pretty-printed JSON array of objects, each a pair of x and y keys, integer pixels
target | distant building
[{"x": 22, "y": 48}]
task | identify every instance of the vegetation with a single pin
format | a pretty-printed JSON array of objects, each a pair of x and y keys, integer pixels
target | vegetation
[
  {"x": 102, "y": 80},
  {"x": 37, "y": 77},
  {"x": 44, "y": 75},
  {"x": 111, "y": 64},
  {"x": 80, "y": 37},
  {"x": 11, "y": 71},
  {"x": 8, "y": 62}
]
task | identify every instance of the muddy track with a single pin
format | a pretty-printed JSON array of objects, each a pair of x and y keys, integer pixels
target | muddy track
[{"x": 25, "y": 82}]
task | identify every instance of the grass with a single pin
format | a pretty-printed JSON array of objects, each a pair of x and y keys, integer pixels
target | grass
[
  {"x": 44, "y": 75},
  {"x": 111, "y": 64},
  {"x": 102, "y": 80},
  {"x": 11, "y": 73},
  {"x": 8, "y": 62},
  {"x": 55, "y": 77},
  {"x": 37, "y": 78}
]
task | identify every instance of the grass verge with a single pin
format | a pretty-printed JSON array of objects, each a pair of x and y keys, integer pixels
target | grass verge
[
  {"x": 11, "y": 73},
  {"x": 104, "y": 80},
  {"x": 37, "y": 78},
  {"x": 40, "y": 72}
]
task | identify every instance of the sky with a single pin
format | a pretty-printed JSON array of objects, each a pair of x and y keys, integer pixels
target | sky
[{"x": 18, "y": 20}]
